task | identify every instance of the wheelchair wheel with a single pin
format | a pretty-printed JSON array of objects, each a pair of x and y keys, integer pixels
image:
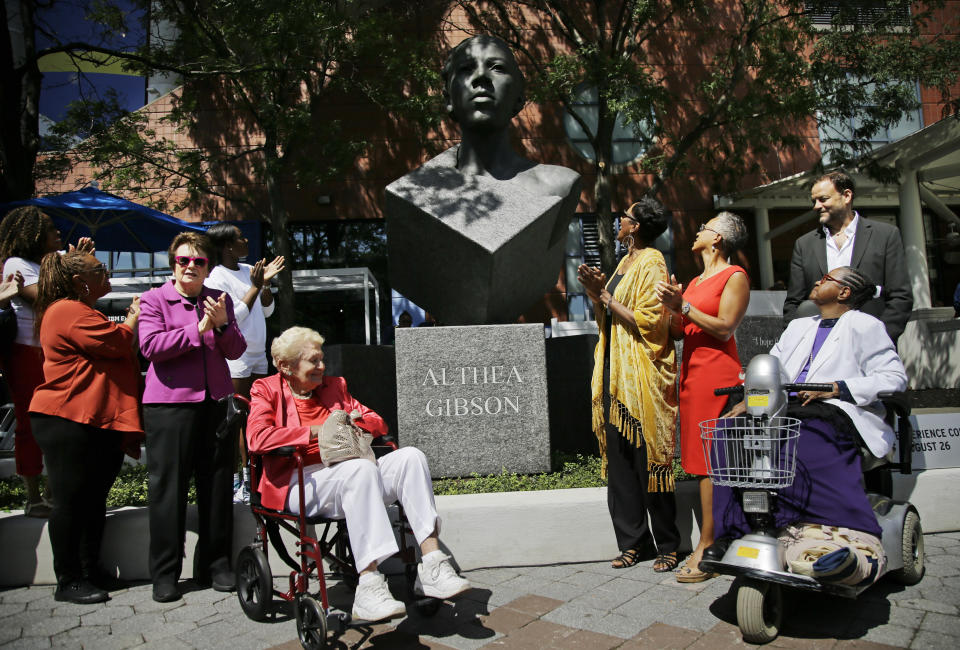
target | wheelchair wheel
[
  {"x": 759, "y": 610},
  {"x": 254, "y": 583},
  {"x": 912, "y": 551},
  {"x": 311, "y": 623}
]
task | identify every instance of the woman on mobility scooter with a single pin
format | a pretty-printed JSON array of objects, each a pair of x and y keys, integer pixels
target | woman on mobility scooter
[
  {"x": 825, "y": 519},
  {"x": 289, "y": 408}
]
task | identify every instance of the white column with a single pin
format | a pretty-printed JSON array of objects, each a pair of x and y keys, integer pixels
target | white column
[
  {"x": 914, "y": 241},
  {"x": 764, "y": 250}
]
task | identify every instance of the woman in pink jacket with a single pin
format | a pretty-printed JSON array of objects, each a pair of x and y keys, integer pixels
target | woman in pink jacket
[
  {"x": 289, "y": 408},
  {"x": 187, "y": 332}
]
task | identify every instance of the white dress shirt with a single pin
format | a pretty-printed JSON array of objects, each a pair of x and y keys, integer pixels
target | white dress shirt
[{"x": 842, "y": 255}]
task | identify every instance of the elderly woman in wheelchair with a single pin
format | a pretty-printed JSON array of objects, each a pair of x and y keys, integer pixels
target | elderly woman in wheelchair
[
  {"x": 825, "y": 519},
  {"x": 290, "y": 408}
]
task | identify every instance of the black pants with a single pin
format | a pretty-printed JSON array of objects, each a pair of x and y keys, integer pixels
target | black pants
[
  {"x": 629, "y": 501},
  {"x": 182, "y": 442},
  {"x": 82, "y": 464}
]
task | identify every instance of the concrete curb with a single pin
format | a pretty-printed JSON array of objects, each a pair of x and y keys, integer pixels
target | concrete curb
[{"x": 480, "y": 530}]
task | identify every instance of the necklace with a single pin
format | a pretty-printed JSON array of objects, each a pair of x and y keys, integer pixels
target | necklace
[
  {"x": 298, "y": 395},
  {"x": 713, "y": 272}
]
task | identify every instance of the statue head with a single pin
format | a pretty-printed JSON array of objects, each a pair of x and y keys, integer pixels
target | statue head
[{"x": 483, "y": 87}]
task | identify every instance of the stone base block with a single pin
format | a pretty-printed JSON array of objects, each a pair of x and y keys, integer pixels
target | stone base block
[{"x": 474, "y": 399}]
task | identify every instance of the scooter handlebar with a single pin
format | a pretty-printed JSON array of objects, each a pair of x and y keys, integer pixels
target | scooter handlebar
[
  {"x": 790, "y": 388},
  {"x": 729, "y": 390},
  {"x": 822, "y": 388}
]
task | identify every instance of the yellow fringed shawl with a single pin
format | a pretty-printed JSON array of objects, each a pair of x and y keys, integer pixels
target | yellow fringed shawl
[{"x": 643, "y": 371}]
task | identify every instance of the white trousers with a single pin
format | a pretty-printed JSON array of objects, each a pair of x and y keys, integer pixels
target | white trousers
[{"x": 359, "y": 491}]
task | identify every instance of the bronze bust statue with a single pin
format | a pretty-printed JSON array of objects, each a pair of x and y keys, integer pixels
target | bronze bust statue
[{"x": 476, "y": 235}]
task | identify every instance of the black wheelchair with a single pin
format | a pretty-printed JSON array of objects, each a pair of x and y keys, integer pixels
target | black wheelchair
[{"x": 255, "y": 590}]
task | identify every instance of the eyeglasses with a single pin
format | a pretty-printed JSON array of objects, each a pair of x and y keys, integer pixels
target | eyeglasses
[
  {"x": 703, "y": 227},
  {"x": 100, "y": 269},
  {"x": 829, "y": 278},
  {"x": 199, "y": 262}
]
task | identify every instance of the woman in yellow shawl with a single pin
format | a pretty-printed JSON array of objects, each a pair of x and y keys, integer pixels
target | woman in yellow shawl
[{"x": 634, "y": 393}]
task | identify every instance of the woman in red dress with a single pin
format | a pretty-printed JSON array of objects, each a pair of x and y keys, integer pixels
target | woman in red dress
[{"x": 706, "y": 316}]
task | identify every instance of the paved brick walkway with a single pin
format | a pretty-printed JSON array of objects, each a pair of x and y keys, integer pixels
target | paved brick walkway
[{"x": 578, "y": 606}]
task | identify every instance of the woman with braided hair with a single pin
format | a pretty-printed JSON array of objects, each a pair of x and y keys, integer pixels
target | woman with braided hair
[
  {"x": 825, "y": 519},
  {"x": 84, "y": 414},
  {"x": 26, "y": 235}
]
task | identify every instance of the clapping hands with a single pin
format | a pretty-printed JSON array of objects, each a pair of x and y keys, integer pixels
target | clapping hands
[
  {"x": 214, "y": 313},
  {"x": 670, "y": 294},
  {"x": 9, "y": 288},
  {"x": 84, "y": 245},
  {"x": 592, "y": 279},
  {"x": 262, "y": 272}
]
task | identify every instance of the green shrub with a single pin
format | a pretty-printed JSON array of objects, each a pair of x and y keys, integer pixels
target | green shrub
[
  {"x": 130, "y": 489},
  {"x": 580, "y": 471}
]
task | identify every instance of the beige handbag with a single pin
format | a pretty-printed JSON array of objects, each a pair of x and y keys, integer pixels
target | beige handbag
[{"x": 340, "y": 439}]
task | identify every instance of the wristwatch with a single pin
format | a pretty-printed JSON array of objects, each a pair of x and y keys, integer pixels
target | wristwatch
[{"x": 685, "y": 309}]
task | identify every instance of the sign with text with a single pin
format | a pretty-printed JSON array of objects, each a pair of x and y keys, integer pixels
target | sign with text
[
  {"x": 756, "y": 335},
  {"x": 474, "y": 399},
  {"x": 936, "y": 440}
]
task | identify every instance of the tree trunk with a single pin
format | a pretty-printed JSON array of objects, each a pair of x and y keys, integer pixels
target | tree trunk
[
  {"x": 603, "y": 147},
  {"x": 279, "y": 219},
  {"x": 19, "y": 107}
]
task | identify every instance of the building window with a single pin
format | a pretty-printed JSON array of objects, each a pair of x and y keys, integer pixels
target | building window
[
  {"x": 836, "y": 133},
  {"x": 859, "y": 13},
  {"x": 629, "y": 142},
  {"x": 582, "y": 247}
]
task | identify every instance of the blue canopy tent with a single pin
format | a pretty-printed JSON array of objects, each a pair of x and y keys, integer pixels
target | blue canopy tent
[{"x": 117, "y": 224}]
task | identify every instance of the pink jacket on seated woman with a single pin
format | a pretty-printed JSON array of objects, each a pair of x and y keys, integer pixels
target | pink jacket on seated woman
[{"x": 274, "y": 422}]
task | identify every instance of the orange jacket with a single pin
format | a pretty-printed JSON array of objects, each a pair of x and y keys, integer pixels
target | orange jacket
[{"x": 90, "y": 369}]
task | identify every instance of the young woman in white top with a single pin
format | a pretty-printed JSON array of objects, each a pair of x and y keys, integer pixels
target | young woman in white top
[{"x": 252, "y": 306}]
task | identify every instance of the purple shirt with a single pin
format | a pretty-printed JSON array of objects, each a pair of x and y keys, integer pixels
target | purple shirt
[{"x": 185, "y": 366}]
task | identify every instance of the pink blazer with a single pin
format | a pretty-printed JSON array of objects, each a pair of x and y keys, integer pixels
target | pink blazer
[
  {"x": 184, "y": 364},
  {"x": 274, "y": 422}
]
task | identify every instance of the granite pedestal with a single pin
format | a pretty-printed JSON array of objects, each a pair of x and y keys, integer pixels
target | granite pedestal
[{"x": 474, "y": 399}]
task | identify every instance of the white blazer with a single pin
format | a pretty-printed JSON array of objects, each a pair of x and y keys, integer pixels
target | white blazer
[{"x": 857, "y": 351}]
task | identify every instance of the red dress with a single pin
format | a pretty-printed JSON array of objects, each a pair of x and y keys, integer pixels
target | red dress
[{"x": 707, "y": 363}]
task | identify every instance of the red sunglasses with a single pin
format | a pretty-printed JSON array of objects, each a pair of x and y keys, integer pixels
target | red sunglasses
[
  {"x": 199, "y": 262},
  {"x": 828, "y": 277}
]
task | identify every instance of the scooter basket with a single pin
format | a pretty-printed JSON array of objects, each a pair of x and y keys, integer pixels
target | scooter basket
[{"x": 751, "y": 452}]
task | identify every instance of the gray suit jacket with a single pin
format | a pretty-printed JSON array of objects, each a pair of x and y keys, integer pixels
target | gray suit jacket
[{"x": 877, "y": 252}]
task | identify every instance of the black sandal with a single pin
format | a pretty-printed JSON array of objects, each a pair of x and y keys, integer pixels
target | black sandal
[
  {"x": 626, "y": 559},
  {"x": 666, "y": 562}
]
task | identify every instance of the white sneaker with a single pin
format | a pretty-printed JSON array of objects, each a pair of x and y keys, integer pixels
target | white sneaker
[
  {"x": 241, "y": 493},
  {"x": 373, "y": 602},
  {"x": 437, "y": 579}
]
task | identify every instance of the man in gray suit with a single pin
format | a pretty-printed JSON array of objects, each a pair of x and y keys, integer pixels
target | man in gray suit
[{"x": 844, "y": 238}]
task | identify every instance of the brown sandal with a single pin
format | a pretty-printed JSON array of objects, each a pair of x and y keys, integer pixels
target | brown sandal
[
  {"x": 626, "y": 559},
  {"x": 666, "y": 562},
  {"x": 689, "y": 574}
]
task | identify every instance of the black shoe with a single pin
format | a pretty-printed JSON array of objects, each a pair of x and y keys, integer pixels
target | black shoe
[
  {"x": 224, "y": 581},
  {"x": 165, "y": 592},
  {"x": 717, "y": 550},
  {"x": 101, "y": 579},
  {"x": 80, "y": 592}
]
